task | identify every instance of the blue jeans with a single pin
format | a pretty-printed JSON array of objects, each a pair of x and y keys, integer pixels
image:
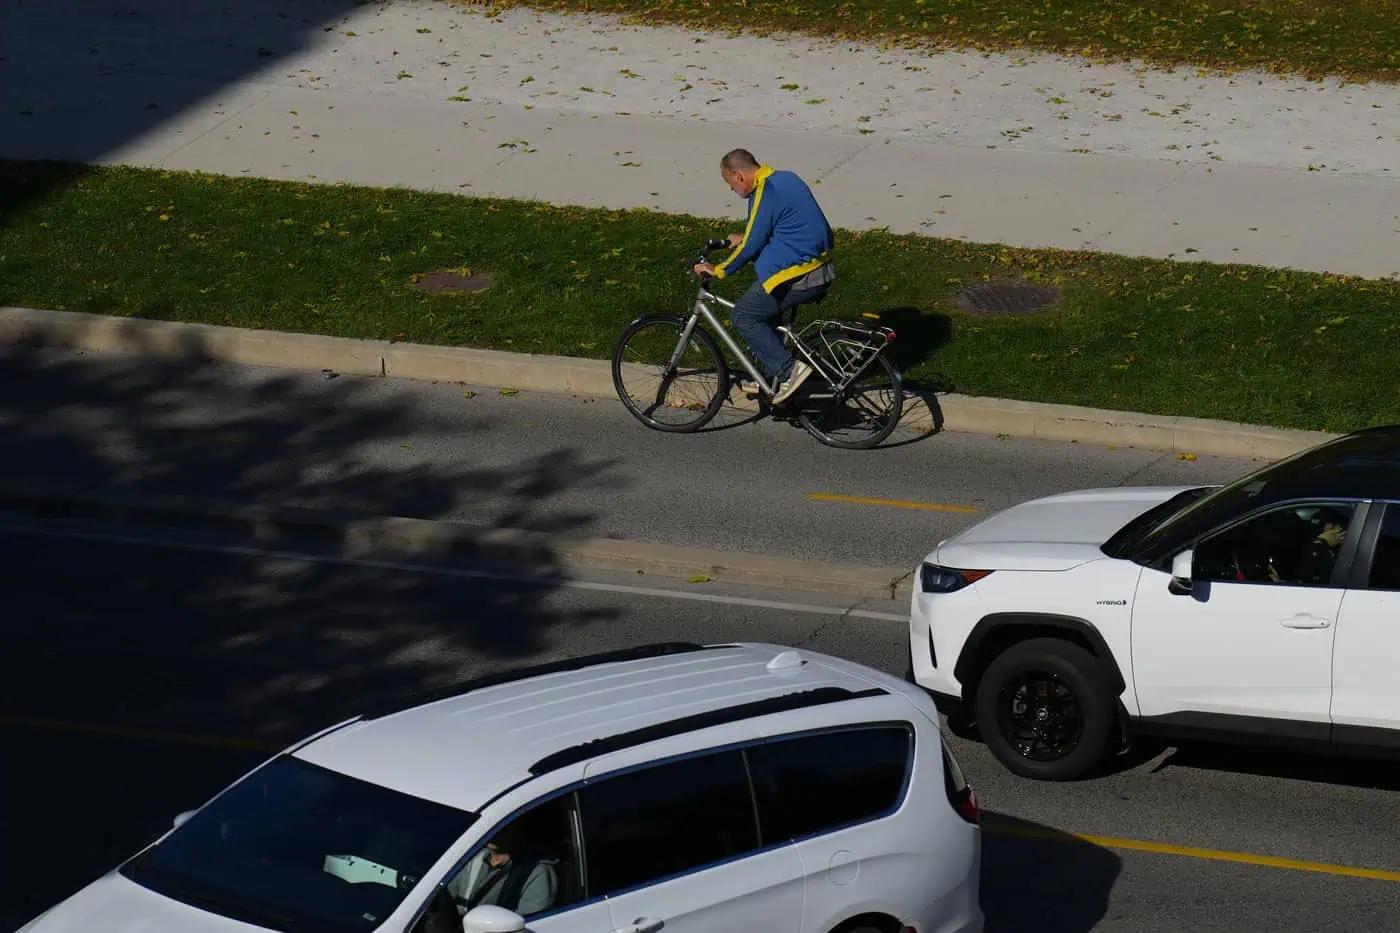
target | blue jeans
[{"x": 755, "y": 317}]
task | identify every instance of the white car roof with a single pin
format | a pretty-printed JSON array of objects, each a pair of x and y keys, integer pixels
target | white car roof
[{"x": 465, "y": 750}]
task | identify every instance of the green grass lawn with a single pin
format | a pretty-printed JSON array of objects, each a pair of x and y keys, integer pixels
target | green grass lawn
[
  {"x": 1234, "y": 342},
  {"x": 1356, "y": 38}
]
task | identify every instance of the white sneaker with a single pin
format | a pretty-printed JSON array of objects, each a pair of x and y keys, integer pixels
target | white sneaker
[{"x": 800, "y": 372}]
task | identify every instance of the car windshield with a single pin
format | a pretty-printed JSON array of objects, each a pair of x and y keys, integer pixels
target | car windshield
[
  {"x": 1310, "y": 474},
  {"x": 298, "y": 847}
]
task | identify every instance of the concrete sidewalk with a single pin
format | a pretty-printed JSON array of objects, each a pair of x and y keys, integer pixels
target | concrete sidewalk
[{"x": 388, "y": 115}]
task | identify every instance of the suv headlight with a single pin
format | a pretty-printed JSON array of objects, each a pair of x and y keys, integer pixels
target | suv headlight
[{"x": 936, "y": 579}]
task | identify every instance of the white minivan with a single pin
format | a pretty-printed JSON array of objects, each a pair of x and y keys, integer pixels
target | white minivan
[{"x": 670, "y": 787}]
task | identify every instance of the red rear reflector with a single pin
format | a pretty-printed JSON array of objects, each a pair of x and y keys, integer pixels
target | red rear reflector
[{"x": 967, "y": 806}]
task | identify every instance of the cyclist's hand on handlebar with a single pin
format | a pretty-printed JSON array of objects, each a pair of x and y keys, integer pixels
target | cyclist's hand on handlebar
[
  {"x": 703, "y": 270},
  {"x": 734, "y": 239}
]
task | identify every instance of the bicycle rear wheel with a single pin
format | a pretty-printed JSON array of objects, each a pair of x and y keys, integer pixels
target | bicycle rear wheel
[
  {"x": 861, "y": 416},
  {"x": 663, "y": 389}
]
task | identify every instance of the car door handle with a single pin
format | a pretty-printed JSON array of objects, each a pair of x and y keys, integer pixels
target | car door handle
[
  {"x": 1303, "y": 620},
  {"x": 642, "y": 925}
]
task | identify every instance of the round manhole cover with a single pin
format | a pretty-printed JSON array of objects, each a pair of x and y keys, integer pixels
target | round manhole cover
[
  {"x": 1009, "y": 299},
  {"x": 450, "y": 282}
]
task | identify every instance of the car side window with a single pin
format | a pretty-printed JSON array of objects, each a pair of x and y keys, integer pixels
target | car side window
[
  {"x": 1294, "y": 545},
  {"x": 1385, "y": 562},
  {"x": 815, "y": 783},
  {"x": 662, "y": 820},
  {"x": 529, "y": 865}
]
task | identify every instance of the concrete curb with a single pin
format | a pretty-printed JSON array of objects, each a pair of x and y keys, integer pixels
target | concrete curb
[
  {"x": 353, "y": 534},
  {"x": 559, "y": 374}
]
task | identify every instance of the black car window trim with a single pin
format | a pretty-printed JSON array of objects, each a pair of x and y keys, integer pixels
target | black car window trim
[
  {"x": 1286, "y": 474},
  {"x": 764, "y": 848},
  {"x": 901, "y": 798},
  {"x": 1367, "y": 542},
  {"x": 573, "y": 787},
  {"x": 1340, "y": 572}
]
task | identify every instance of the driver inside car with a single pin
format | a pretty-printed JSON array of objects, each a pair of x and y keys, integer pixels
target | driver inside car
[{"x": 1296, "y": 547}]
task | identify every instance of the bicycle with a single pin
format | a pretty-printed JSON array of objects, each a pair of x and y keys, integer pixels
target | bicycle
[{"x": 670, "y": 374}]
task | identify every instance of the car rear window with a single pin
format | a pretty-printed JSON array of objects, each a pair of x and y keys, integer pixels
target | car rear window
[
  {"x": 814, "y": 783},
  {"x": 646, "y": 825}
]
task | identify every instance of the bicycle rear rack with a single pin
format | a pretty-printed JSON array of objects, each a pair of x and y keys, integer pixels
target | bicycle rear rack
[{"x": 841, "y": 351}]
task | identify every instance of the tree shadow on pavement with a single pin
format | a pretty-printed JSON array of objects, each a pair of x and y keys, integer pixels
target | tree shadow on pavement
[
  {"x": 86, "y": 80},
  {"x": 209, "y": 635},
  {"x": 1037, "y": 878}
]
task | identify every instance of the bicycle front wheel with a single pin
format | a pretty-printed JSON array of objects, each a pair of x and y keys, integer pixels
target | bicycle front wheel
[
  {"x": 862, "y": 415},
  {"x": 668, "y": 386}
]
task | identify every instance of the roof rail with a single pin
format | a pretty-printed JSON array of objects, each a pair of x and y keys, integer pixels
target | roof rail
[
  {"x": 778, "y": 704},
  {"x": 639, "y": 653}
]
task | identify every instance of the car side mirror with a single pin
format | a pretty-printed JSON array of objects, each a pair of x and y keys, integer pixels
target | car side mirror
[
  {"x": 1181, "y": 572},
  {"x": 181, "y": 819},
  {"x": 491, "y": 919}
]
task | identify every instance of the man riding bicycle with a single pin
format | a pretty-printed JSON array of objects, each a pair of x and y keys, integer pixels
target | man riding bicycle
[{"x": 789, "y": 241}]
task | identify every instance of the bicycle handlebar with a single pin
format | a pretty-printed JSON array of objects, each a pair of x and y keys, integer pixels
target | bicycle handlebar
[{"x": 705, "y": 251}]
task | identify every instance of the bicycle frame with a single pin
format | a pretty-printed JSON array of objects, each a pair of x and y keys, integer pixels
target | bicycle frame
[{"x": 703, "y": 311}]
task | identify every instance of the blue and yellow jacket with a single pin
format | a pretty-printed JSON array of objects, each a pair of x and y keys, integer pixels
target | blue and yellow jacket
[{"x": 787, "y": 234}]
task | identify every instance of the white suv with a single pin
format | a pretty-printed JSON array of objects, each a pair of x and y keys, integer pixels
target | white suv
[
  {"x": 690, "y": 788},
  {"x": 1264, "y": 611}
]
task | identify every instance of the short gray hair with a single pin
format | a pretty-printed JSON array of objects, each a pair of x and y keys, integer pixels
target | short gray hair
[{"x": 738, "y": 160}]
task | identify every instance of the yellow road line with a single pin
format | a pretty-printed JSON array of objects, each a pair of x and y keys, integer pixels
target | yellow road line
[
  {"x": 1213, "y": 855},
  {"x": 893, "y": 503},
  {"x": 124, "y": 732}
]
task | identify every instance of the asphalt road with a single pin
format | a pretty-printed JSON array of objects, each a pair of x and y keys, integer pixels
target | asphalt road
[
  {"x": 541, "y": 462},
  {"x": 141, "y": 671}
]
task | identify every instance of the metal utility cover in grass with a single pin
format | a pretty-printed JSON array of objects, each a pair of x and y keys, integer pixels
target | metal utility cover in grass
[
  {"x": 446, "y": 282},
  {"x": 1006, "y": 298}
]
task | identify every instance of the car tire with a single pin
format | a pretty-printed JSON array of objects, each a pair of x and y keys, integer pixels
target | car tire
[{"x": 1045, "y": 709}]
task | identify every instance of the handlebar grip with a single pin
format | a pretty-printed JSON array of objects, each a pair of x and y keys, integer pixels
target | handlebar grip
[{"x": 711, "y": 245}]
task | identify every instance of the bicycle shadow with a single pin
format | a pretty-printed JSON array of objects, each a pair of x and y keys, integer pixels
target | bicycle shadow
[{"x": 919, "y": 334}]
